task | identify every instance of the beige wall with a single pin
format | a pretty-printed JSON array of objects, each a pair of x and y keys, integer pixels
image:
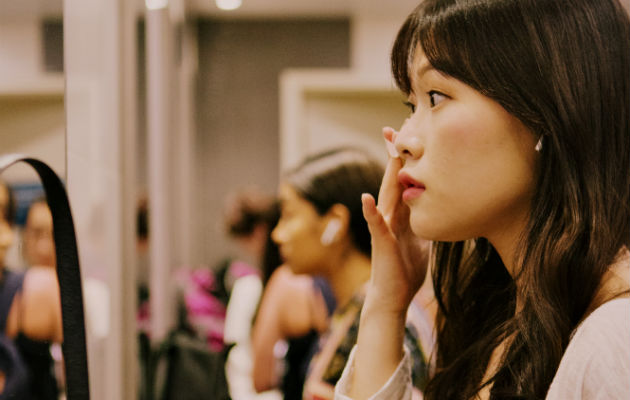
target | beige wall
[
  {"x": 32, "y": 117},
  {"x": 238, "y": 104}
]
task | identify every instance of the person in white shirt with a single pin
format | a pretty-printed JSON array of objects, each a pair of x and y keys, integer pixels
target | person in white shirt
[{"x": 515, "y": 162}]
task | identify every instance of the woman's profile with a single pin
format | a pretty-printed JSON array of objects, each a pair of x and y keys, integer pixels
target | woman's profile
[{"x": 515, "y": 163}]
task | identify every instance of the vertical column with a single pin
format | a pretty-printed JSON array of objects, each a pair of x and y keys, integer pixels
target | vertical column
[
  {"x": 161, "y": 188},
  {"x": 100, "y": 115},
  {"x": 128, "y": 107},
  {"x": 186, "y": 77}
]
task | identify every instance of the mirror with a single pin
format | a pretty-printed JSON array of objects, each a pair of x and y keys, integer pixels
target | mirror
[
  {"x": 32, "y": 122},
  {"x": 32, "y": 117}
]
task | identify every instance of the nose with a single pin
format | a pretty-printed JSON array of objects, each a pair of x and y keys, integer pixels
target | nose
[
  {"x": 408, "y": 141},
  {"x": 276, "y": 234}
]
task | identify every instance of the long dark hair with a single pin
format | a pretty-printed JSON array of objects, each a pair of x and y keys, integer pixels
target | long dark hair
[
  {"x": 562, "y": 68},
  {"x": 340, "y": 176}
]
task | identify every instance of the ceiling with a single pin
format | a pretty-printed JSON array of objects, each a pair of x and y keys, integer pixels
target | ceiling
[
  {"x": 13, "y": 9},
  {"x": 281, "y": 8}
]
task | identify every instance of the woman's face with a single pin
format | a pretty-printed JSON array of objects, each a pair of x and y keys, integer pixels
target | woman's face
[
  {"x": 469, "y": 165},
  {"x": 298, "y": 233},
  {"x": 38, "y": 241}
]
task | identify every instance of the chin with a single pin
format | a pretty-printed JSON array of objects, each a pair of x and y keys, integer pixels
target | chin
[
  {"x": 295, "y": 269},
  {"x": 428, "y": 229}
]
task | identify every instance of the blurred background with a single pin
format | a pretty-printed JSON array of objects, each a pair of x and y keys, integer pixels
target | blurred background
[{"x": 176, "y": 104}]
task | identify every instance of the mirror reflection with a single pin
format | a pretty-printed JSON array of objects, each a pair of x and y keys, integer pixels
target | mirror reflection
[{"x": 32, "y": 122}]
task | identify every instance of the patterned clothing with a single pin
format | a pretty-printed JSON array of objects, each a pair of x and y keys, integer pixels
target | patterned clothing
[
  {"x": 205, "y": 294},
  {"x": 337, "y": 344}
]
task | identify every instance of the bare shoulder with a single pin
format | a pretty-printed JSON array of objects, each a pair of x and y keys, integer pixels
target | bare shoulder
[
  {"x": 41, "y": 280},
  {"x": 283, "y": 277},
  {"x": 292, "y": 296},
  {"x": 40, "y": 304}
]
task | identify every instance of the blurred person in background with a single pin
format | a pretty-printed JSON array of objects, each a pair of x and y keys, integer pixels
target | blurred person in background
[
  {"x": 34, "y": 312},
  {"x": 322, "y": 233},
  {"x": 249, "y": 218},
  {"x": 38, "y": 249},
  {"x": 38, "y": 244}
]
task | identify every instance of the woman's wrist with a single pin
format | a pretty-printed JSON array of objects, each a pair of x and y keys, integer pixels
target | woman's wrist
[
  {"x": 379, "y": 346},
  {"x": 386, "y": 304}
]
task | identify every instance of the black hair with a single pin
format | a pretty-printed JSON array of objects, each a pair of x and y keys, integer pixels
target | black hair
[
  {"x": 142, "y": 221},
  {"x": 246, "y": 210},
  {"x": 271, "y": 258}
]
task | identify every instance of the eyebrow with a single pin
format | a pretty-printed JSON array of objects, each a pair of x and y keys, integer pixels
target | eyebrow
[{"x": 424, "y": 68}]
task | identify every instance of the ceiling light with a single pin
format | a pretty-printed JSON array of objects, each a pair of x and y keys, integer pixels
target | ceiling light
[
  {"x": 156, "y": 4},
  {"x": 228, "y": 4}
]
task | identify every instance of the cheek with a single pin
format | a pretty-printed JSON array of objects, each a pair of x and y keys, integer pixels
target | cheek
[
  {"x": 480, "y": 170},
  {"x": 474, "y": 145},
  {"x": 462, "y": 133},
  {"x": 297, "y": 233}
]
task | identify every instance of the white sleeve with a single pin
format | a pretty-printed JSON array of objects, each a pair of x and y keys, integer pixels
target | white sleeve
[
  {"x": 596, "y": 364},
  {"x": 241, "y": 308},
  {"x": 397, "y": 387}
]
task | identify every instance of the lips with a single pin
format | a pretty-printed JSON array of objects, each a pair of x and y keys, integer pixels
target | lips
[{"x": 412, "y": 188}]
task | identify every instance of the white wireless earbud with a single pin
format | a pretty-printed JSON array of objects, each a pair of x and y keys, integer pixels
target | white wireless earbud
[
  {"x": 328, "y": 236},
  {"x": 539, "y": 144}
]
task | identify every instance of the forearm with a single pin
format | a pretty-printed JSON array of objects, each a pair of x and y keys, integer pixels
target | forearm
[{"x": 379, "y": 349}]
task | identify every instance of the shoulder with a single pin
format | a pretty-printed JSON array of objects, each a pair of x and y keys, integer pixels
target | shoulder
[
  {"x": 596, "y": 363},
  {"x": 287, "y": 299},
  {"x": 40, "y": 279},
  {"x": 285, "y": 283},
  {"x": 248, "y": 284},
  {"x": 40, "y": 287},
  {"x": 37, "y": 313}
]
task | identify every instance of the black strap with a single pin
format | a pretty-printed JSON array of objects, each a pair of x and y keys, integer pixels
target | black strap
[{"x": 69, "y": 275}]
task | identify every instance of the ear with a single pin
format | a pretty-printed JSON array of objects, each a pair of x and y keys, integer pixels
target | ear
[{"x": 336, "y": 220}]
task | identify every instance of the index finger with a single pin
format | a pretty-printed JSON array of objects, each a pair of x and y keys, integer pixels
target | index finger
[{"x": 390, "y": 192}]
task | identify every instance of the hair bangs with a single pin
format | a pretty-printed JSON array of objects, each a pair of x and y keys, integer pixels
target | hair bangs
[{"x": 438, "y": 27}]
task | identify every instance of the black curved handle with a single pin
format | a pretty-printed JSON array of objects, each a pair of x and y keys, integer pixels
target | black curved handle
[{"x": 68, "y": 274}]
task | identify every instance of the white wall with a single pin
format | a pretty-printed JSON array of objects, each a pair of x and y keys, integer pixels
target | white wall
[
  {"x": 372, "y": 37},
  {"x": 20, "y": 48}
]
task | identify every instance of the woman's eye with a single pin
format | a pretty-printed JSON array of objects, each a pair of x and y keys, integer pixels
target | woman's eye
[
  {"x": 411, "y": 106},
  {"x": 436, "y": 98}
]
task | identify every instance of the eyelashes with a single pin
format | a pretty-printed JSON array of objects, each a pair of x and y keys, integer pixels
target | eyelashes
[{"x": 434, "y": 99}]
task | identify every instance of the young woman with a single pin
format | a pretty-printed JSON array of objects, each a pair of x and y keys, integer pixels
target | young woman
[
  {"x": 31, "y": 316},
  {"x": 322, "y": 233},
  {"x": 515, "y": 161}
]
